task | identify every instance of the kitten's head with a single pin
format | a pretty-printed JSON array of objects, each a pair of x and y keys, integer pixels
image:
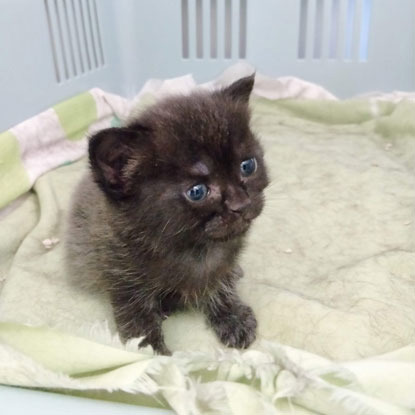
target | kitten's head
[{"x": 188, "y": 167}]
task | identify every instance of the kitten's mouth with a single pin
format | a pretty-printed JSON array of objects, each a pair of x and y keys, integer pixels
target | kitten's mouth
[{"x": 226, "y": 228}]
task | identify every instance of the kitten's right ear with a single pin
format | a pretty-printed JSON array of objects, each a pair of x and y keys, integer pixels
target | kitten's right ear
[
  {"x": 241, "y": 89},
  {"x": 115, "y": 156}
]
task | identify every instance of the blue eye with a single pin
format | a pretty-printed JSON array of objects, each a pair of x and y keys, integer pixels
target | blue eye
[
  {"x": 197, "y": 192},
  {"x": 248, "y": 167}
]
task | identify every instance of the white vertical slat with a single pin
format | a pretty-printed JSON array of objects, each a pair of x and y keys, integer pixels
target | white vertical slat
[
  {"x": 318, "y": 29},
  {"x": 78, "y": 36},
  {"x": 311, "y": 31},
  {"x": 97, "y": 32},
  {"x": 356, "y": 30},
  {"x": 342, "y": 29},
  {"x": 192, "y": 28},
  {"x": 302, "y": 30},
  {"x": 89, "y": 34},
  {"x": 199, "y": 23},
  {"x": 60, "y": 40},
  {"x": 220, "y": 15},
  {"x": 184, "y": 9},
  {"x": 94, "y": 46},
  {"x": 213, "y": 29},
  {"x": 365, "y": 30},
  {"x": 235, "y": 29},
  {"x": 53, "y": 40},
  {"x": 206, "y": 29},
  {"x": 74, "y": 36},
  {"x": 326, "y": 29},
  {"x": 349, "y": 30},
  {"x": 333, "y": 33},
  {"x": 243, "y": 26},
  {"x": 86, "y": 51},
  {"x": 68, "y": 28},
  {"x": 228, "y": 29}
]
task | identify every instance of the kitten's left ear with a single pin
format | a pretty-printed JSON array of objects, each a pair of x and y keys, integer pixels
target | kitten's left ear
[
  {"x": 116, "y": 155},
  {"x": 241, "y": 89}
]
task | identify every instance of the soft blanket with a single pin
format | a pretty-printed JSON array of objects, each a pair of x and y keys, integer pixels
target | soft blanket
[{"x": 329, "y": 272}]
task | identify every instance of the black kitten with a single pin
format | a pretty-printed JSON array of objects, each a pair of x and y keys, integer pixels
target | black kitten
[{"x": 159, "y": 220}]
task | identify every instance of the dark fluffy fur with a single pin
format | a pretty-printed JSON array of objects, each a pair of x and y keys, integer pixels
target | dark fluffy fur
[{"x": 135, "y": 235}]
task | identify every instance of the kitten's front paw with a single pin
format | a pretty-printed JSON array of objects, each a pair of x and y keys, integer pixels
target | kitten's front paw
[
  {"x": 237, "y": 272},
  {"x": 236, "y": 328},
  {"x": 158, "y": 345}
]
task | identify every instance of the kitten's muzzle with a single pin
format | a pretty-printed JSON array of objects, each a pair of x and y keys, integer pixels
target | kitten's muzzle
[
  {"x": 227, "y": 226},
  {"x": 238, "y": 206}
]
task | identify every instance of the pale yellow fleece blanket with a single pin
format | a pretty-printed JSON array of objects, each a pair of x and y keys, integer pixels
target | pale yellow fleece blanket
[{"x": 329, "y": 272}]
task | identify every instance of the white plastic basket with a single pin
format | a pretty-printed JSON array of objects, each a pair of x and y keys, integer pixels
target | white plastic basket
[{"x": 53, "y": 49}]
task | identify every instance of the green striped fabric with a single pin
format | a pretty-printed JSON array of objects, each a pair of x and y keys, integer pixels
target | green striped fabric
[
  {"x": 14, "y": 180},
  {"x": 55, "y": 137},
  {"x": 76, "y": 115}
]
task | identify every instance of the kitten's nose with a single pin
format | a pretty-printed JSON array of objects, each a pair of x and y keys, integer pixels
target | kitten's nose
[{"x": 237, "y": 200}]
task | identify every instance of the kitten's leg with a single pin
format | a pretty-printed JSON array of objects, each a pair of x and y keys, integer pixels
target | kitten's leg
[
  {"x": 170, "y": 303},
  {"x": 233, "y": 321},
  {"x": 237, "y": 272},
  {"x": 136, "y": 318}
]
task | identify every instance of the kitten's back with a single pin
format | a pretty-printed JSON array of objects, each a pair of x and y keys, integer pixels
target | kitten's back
[{"x": 87, "y": 222}]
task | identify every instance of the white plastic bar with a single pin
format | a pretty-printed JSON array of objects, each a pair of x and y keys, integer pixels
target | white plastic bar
[
  {"x": 53, "y": 43},
  {"x": 235, "y": 28},
  {"x": 70, "y": 37},
  {"x": 318, "y": 29},
  {"x": 59, "y": 40},
  {"x": 243, "y": 17},
  {"x": 220, "y": 18},
  {"x": 342, "y": 29},
  {"x": 365, "y": 30},
  {"x": 192, "y": 28},
  {"x": 310, "y": 33},
  {"x": 206, "y": 28},
  {"x": 199, "y": 29},
  {"x": 333, "y": 30},
  {"x": 213, "y": 28},
  {"x": 356, "y": 30},
  {"x": 97, "y": 32},
  {"x": 326, "y": 29},
  {"x": 302, "y": 30},
  {"x": 349, "y": 32},
  {"x": 185, "y": 28},
  {"x": 91, "y": 35},
  {"x": 228, "y": 29},
  {"x": 84, "y": 35},
  {"x": 78, "y": 36}
]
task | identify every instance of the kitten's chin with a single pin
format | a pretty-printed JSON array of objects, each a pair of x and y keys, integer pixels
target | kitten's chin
[{"x": 217, "y": 229}]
